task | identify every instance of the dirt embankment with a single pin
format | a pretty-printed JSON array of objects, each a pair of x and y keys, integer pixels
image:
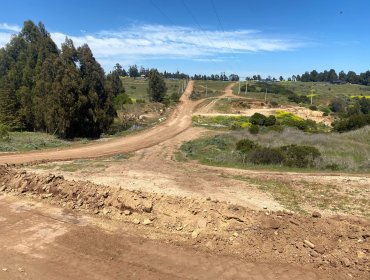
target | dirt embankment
[{"x": 338, "y": 246}]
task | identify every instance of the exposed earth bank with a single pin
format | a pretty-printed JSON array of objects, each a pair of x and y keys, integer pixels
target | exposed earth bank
[{"x": 156, "y": 236}]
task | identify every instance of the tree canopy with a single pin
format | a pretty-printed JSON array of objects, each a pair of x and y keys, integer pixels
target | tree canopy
[
  {"x": 156, "y": 86},
  {"x": 61, "y": 91}
]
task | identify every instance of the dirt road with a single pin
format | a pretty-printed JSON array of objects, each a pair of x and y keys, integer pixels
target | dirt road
[
  {"x": 38, "y": 241},
  {"x": 176, "y": 123}
]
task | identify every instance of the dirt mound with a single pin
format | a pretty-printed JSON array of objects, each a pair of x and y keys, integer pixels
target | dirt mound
[{"x": 339, "y": 245}]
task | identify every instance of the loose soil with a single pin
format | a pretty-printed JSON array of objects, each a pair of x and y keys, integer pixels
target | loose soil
[
  {"x": 153, "y": 217},
  {"x": 219, "y": 239}
]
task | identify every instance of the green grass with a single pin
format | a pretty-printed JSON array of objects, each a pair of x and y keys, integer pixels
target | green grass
[
  {"x": 210, "y": 88},
  {"x": 301, "y": 196},
  {"x": 325, "y": 92},
  {"x": 348, "y": 152},
  {"x": 137, "y": 88},
  {"x": 229, "y": 122},
  {"x": 27, "y": 141}
]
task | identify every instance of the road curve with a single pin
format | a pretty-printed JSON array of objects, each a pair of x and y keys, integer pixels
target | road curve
[{"x": 177, "y": 122}]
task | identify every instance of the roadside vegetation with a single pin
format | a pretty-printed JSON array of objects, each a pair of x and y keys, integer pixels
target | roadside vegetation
[
  {"x": 290, "y": 149},
  {"x": 302, "y": 196},
  {"x": 27, "y": 141},
  {"x": 204, "y": 89},
  {"x": 65, "y": 92},
  {"x": 258, "y": 122}
]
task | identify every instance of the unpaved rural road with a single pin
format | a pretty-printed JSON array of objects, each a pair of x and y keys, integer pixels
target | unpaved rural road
[
  {"x": 177, "y": 122},
  {"x": 40, "y": 242}
]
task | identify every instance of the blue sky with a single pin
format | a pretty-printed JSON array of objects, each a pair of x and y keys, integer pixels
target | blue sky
[{"x": 208, "y": 36}]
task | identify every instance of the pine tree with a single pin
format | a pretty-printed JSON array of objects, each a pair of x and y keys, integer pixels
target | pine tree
[{"x": 157, "y": 87}]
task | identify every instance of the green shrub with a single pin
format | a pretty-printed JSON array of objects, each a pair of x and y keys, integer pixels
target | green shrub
[
  {"x": 257, "y": 119},
  {"x": 175, "y": 97},
  {"x": 352, "y": 122},
  {"x": 121, "y": 99},
  {"x": 140, "y": 101},
  {"x": 300, "y": 156},
  {"x": 195, "y": 95},
  {"x": 4, "y": 132},
  {"x": 217, "y": 141},
  {"x": 245, "y": 146},
  {"x": 270, "y": 120},
  {"x": 264, "y": 155},
  {"x": 313, "y": 107},
  {"x": 254, "y": 129},
  {"x": 188, "y": 148}
]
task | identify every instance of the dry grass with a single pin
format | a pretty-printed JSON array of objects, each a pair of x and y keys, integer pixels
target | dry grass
[
  {"x": 304, "y": 197},
  {"x": 349, "y": 151}
]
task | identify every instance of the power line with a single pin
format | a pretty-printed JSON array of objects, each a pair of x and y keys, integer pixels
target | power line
[
  {"x": 222, "y": 29},
  {"x": 200, "y": 27},
  {"x": 162, "y": 12}
]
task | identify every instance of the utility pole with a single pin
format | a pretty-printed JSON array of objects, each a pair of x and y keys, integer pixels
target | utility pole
[
  {"x": 239, "y": 87},
  {"x": 312, "y": 93}
]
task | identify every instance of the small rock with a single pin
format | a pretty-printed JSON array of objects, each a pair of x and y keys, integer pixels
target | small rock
[
  {"x": 5, "y": 269},
  {"x": 346, "y": 262},
  {"x": 360, "y": 255},
  {"x": 236, "y": 234},
  {"x": 147, "y": 222},
  {"x": 202, "y": 223},
  {"x": 195, "y": 234},
  {"x": 179, "y": 228},
  {"x": 314, "y": 254},
  {"x": 316, "y": 214},
  {"x": 136, "y": 221},
  {"x": 279, "y": 213},
  {"x": 20, "y": 269},
  {"x": 352, "y": 236},
  {"x": 274, "y": 224},
  {"x": 208, "y": 199},
  {"x": 320, "y": 249},
  {"x": 309, "y": 244},
  {"x": 127, "y": 212},
  {"x": 106, "y": 211},
  {"x": 264, "y": 207},
  {"x": 294, "y": 222}
]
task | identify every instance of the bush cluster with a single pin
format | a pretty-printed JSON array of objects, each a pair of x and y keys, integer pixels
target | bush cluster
[
  {"x": 289, "y": 119},
  {"x": 259, "y": 119},
  {"x": 291, "y": 155},
  {"x": 4, "y": 132},
  {"x": 352, "y": 122}
]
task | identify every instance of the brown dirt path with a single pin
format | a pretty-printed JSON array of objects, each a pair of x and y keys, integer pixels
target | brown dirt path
[
  {"x": 41, "y": 242},
  {"x": 178, "y": 121}
]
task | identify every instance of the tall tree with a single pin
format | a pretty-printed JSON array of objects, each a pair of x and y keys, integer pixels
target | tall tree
[
  {"x": 133, "y": 71},
  {"x": 156, "y": 87}
]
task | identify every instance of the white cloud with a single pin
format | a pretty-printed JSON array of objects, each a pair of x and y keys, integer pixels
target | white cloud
[
  {"x": 166, "y": 42},
  {"x": 4, "y": 38},
  {"x": 178, "y": 42},
  {"x": 9, "y": 27}
]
